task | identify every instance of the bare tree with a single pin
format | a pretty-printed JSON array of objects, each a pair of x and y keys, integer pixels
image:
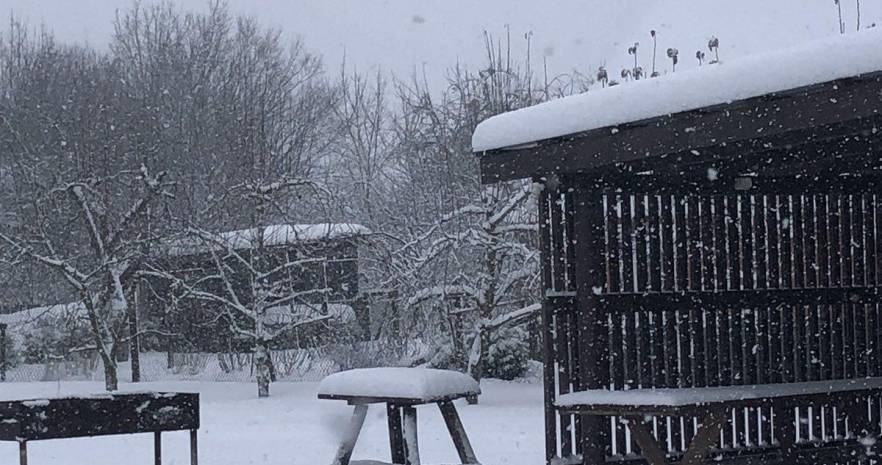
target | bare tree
[{"x": 102, "y": 274}]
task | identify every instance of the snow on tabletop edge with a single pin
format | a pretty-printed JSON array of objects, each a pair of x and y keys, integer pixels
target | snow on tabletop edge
[
  {"x": 677, "y": 397},
  {"x": 44, "y": 401},
  {"x": 400, "y": 383},
  {"x": 815, "y": 62}
]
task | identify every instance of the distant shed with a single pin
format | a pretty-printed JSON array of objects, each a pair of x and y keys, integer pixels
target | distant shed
[
  {"x": 713, "y": 227},
  {"x": 328, "y": 277}
]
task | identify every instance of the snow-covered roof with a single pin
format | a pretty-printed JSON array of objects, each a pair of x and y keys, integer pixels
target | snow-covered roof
[
  {"x": 399, "y": 383},
  {"x": 825, "y": 60},
  {"x": 280, "y": 234},
  {"x": 30, "y": 315},
  {"x": 20, "y": 323}
]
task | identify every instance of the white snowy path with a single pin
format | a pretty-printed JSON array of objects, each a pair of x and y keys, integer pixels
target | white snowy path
[{"x": 293, "y": 427}]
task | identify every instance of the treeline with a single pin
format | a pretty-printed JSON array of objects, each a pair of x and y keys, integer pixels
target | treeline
[{"x": 198, "y": 123}]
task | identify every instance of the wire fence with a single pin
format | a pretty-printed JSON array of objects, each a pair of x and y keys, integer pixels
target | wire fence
[{"x": 310, "y": 364}]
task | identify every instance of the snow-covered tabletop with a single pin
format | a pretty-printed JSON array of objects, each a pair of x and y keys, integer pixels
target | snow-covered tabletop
[
  {"x": 411, "y": 384},
  {"x": 680, "y": 397}
]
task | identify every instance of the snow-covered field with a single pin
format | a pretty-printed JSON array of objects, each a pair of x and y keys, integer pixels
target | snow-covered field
[{"x": 293, "y": 427}]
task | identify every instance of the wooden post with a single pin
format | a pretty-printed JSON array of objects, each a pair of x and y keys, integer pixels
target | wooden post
[
  {"x": 134, "y": 343},
  {"x": 23, "y": 453},
  {"x": 457, "y": 433},
  {"x": 3, "y": 354},
  {"x": 396, "y": 439},
  {"x": 194, "y": 447},
  {"x": 786, "y": 434},
  {"x": 411, "y": 444},
  {"x": 591, "y": 323},
  {"x": 157, "y": 448},
  {"x": 547, "y": 335},
  {"x": 344, "y": 453}
]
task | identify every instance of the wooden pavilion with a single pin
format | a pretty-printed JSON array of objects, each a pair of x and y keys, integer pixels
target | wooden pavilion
[{"x": 716, "y": 232}]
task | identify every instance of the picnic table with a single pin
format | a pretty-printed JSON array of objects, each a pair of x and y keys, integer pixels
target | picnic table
[
  {"x": 401, "y": 389},
  {"x": 712, "y": 406},
  {"x": 23, "y": 421}
]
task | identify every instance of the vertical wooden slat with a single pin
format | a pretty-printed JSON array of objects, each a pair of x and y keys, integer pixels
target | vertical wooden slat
[
  {"x": 718, "y": 221},
  {"x": 656, "y": 245},
  {"x": 733, "y": 261},
  {"x": 724, "y": 351},
  {"x": 810, "y": 221},
  {"x": 786, "y": 212},
  {"x": 671, "y": 366},
  {"x": 617, "y": 327},
  {"x": 846, "y": 239},
  {"x": 834, "y": 236},
  {"x": 562, "y": 349},
  {"x": 859, "y": 240},
  {"x": 648, "y": 335},
  {"x": 799, "y": 245},
  {"x": 641, "y": 243},
  {"x": 680, "y": 243},
  {"x": 613, "y": 239},
  {"x": 848, "y": 342},
  {"x": 836, "y": 355},
  {"x": 667, "y": 248}
]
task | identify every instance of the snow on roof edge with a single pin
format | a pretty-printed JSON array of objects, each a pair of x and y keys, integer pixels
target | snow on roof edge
[
  {"x": 824, "y": 60},
  {"x": 278, "y": 234},
  {"x": 34, "y": 314}
]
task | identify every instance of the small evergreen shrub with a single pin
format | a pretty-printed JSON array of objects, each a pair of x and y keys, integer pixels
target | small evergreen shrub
[{"x": 508, "y": 355}]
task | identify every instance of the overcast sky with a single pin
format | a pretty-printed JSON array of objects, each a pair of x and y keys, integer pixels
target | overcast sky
[{"x": 402, "y": 36}]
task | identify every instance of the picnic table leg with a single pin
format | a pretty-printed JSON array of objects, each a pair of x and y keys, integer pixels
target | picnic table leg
[
  {"x": 396, "y": 439},
  {"x": 411, "y": 444},
  {"x": 344, "y": 453},
  {"x": 23, "y": 453},
  {"x": 194, "y": 448},
  {"x": 157, "y": 448},
  {"x": 457, "y": 433},
  {"x": 649, "y": 447},
  {"x": 708, "y": 434}
]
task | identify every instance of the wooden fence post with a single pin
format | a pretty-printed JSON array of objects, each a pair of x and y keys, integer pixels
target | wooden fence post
[{"x": 591, "y": 331}]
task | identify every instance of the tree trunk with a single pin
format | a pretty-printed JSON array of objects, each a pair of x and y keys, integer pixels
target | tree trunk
[
  {"x": 264, "y": 371},
  {"x": 111, "y": 380},
  {"x": 476, "y": 361}
]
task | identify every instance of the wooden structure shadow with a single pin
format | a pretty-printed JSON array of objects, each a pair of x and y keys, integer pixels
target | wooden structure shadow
[
  {"x": 739, "y": 244},
  {"x": 402, "y": 419}
]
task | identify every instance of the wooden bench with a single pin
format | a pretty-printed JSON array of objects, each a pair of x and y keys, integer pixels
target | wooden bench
[
  {"x": 23, "y": 421},
  {"x": 401, "y": 389},
  {"x": 712, "y": 407}
]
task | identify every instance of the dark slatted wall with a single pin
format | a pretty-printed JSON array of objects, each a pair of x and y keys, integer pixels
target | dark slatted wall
[{"x": 769, "y": 252}]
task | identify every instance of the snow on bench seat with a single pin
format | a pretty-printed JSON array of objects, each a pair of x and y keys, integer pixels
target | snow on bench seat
[
  {"x": 681, "y": 397},
  {"x": 816, "y": 62},
  {"x": 421, "y": 384}
]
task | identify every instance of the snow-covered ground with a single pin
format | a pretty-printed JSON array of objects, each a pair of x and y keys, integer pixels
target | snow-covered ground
[{"x": 293, "y": 427}]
